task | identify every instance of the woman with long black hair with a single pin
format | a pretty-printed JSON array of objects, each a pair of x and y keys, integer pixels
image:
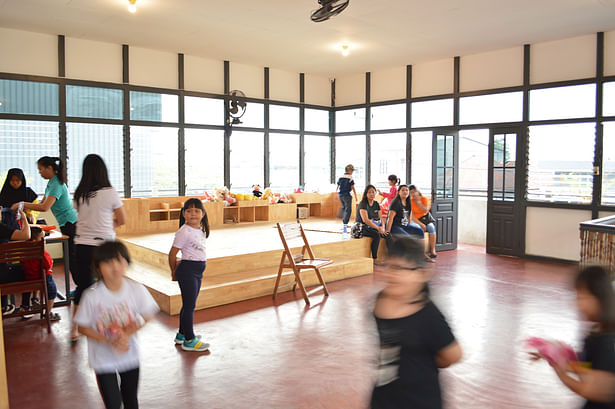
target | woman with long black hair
[{"x": 100, "y": 211}]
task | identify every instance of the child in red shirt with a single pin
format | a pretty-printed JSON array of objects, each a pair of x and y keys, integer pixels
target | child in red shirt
[{"x": 32, "y": 271}]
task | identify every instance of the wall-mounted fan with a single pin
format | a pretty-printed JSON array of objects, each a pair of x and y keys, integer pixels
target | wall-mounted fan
[
  {"x": 328, "y": 9},
  {"x": 236, "y": 106}
]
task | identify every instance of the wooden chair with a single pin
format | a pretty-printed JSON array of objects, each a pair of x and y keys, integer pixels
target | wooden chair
[
  {"x": 299, "y": 262},
  {"x": 15, "y": 252}
]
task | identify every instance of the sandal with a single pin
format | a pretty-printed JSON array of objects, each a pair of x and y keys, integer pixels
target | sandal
[
  {"x": 36, "y": 301},
  {"x": 54, "y": 316}
]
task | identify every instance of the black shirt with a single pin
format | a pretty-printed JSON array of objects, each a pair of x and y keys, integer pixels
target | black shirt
[
  {"x": 599, "y": 351},
  {"x": 372, "y": 211},
  {"x": 407, "y": 371},
  {"x": 402, "y": 213}
]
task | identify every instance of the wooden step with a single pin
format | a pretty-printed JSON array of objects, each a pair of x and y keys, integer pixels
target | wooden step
[{"x": 236, "y": 286}]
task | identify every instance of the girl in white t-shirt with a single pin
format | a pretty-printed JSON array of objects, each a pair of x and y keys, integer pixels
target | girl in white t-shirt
[
  {"x": 99, "y": 212},
  {"x": 110, "y": 314},
  {"x": 190, "y": 239}
]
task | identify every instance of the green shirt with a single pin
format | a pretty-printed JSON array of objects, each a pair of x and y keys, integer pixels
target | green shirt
[{"x": 62, "y": 209}]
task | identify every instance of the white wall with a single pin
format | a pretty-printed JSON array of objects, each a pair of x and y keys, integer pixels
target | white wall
[
  {"x": 472, "y": 221},
  {"x": 561, "y": 60},
  {"x": 283, "y": 85},
  {"x": 204, "y": 75},
  {"x": 93, "y": 60},
  {"x": 554, "y": 232},
  {"x": 505, "y": 68},
  {"x": 609, "y": 53},
  {"x": 23, "y": 52},
  {"x": 350, "y": 90},
  {"x": 388, "y": 84},
  {"x": 433, "y": 78}
]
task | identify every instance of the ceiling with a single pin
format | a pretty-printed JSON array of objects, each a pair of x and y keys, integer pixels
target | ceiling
[{"x": 279, "y": 33}]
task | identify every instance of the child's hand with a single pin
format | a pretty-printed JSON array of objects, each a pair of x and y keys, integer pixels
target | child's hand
[
  {"x": 121, "y": 342},
  {"x": 534, "y": 356}
]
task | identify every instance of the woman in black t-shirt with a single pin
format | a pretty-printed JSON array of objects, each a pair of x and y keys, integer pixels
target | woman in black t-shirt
[
  {"x": 369, "y": 216},
  {"x": 596, "y": 373},
  {"x": 400, "y": 215},
  {"x": 415, "y": 339}
]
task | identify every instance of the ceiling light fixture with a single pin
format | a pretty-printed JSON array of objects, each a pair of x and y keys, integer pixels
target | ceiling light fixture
[
  {"x": 132, "y": 6},
  {"x": 345, "y": 50}
]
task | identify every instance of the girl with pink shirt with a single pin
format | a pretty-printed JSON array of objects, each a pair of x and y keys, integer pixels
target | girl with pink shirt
[
  {"x": 393, "y": 182},
  {"x": 190, "y": 239}
]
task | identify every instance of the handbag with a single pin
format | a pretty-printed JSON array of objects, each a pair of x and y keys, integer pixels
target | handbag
[
  {"x": 356, "y": 232},
  {"x": 428, "y": 218}
]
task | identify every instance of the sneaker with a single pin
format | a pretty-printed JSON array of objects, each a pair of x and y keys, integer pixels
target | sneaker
[
  {"x": 36, "y": 301},
  {"x": 26, "y": 309},
  {"x": 195, "y": 345},
  {"x": 180, "y": 338},
  {"x": 9, "y": 309}
]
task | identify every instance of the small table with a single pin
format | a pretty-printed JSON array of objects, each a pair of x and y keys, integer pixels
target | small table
[{"x": 57, "y": 237}]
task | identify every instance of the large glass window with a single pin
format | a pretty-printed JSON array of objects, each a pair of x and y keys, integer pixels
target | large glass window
[
  {"x": 92, "y": 102},
  {"x": 247, "y": 160},
  {"x": 388, "y": 117},
  {"x": 350, "y": 149},
  {"x": 153, "y": 161},
  {"x": 316, "y": 120},
  {"x": 482, "y": 109},
  {"x": 317, "y": 162},
  {"x": 151, "y": 106},
  {"x": 560, "y": 163},
  {"x": 283, "y": 117},
  {"x": 283, "y": 161},
  {"x": 421, "y": 161},
  {"x": 388, "y": 158},
  {"x": 608, "y": 163},
  {"x": 575, "y": 101},
  {"x": 350, "y": 120},
  {"x": 104, "y": 140},
  {"x": 203, "y": 111},
  {"x": 608, "y": 99},
  {"x": 432, "y": 113},
  {"x": 473, "y": 162},
  {"x": 27, "y": 97},
  {"x": 254, "y": 117},
  {"x": 204, "y": 160},
  {"x": 23, "y": 143}
]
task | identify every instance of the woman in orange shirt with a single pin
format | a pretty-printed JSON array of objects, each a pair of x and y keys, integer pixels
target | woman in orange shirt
[{"x": 421, "y": 207}]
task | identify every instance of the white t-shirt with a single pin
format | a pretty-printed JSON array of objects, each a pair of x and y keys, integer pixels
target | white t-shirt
[
  {"x": 191, "y": 242},
  {"x": 103, "y": 311},
  {"x": 95, "y": 217}
]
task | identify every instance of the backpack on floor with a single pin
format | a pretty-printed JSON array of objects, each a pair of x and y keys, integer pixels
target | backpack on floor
[{"x": 356, "y": 232}]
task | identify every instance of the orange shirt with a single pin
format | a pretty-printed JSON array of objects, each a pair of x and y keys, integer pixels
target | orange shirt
[{"x": 416, "y": 211}]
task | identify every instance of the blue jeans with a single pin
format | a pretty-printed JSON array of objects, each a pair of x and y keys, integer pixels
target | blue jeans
[
  {"x": 409, "y": 230},
  {"x": 189, "y": 275},
  {"x": 346, "y": 207}
]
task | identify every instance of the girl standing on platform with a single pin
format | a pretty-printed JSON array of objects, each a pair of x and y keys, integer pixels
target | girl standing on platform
[
  {"x": 190, "y": 239},
  {"x": 99, "y": 211},
  {"x": 111, "y": 313},
  {"x": 595, "y": 375}
]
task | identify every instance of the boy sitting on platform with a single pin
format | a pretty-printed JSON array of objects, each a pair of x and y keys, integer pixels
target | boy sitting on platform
[{"x": 32, "y": 271}]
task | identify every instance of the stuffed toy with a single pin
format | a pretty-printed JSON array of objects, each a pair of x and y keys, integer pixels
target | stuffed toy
[
  {"x": 284, "y": 199},
  {"x": 299, "y": 189},
  {"x": 223, "y": 195},
  {"x": 256, "y": 191},
  {"x": 554, "y": 352},
  {"x": 208, "y": 198}
]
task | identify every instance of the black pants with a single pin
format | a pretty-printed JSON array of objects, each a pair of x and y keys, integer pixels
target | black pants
[
  {"x": 189, "y": 275},
  {"x": 375, "y": 235},
  {"x": 82, "y": 270},
  {"x": 114, "y": 394},
  {"x": 10, "y": 273},
  {"x": 69, "y": 230}
]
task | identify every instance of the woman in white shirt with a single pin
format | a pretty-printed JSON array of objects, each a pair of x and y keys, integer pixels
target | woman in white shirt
[{"x": 99, "y": 212}]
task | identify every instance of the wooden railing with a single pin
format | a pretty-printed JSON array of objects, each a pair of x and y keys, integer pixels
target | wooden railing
[{"x": 598, "y": 242}]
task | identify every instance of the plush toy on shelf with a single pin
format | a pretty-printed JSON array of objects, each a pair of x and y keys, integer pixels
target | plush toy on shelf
[
  {"x": 256, "y": 191},
  {"x": 223, "y": 195},
  {"x": 208, "y": 198},
  {"x": 299, "y": 189}
]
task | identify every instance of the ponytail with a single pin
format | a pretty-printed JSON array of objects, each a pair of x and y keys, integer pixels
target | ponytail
[
  {"x": 396, "y": 181},
  {"x": 57, "y": 166}
]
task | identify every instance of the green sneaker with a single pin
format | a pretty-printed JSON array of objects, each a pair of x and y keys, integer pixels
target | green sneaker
[
  {"x": 195, "y": 345},
  {"x": 180, "y": 338}
]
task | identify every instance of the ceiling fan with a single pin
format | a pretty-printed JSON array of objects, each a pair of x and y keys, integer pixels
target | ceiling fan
[{"x": 328, "y": 9}]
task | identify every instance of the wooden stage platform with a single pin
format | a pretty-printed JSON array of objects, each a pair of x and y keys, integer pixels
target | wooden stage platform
[{"x": 242, "y": 262}]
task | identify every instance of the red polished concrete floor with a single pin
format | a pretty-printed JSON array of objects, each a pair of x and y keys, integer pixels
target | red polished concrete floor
[{"x": 284, "y": 356}]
